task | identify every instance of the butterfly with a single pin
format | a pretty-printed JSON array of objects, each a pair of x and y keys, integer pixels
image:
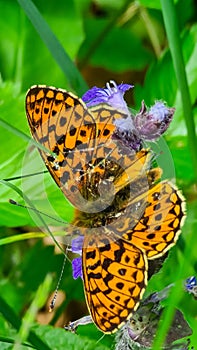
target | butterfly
[{"x": 125, "y": 213}]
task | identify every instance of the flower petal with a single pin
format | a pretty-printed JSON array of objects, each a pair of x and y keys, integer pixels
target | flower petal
[
  {"x": 76, "y": 245},
  {"x": 112, "y": 95},
  {"x": 77, "y": 268}
]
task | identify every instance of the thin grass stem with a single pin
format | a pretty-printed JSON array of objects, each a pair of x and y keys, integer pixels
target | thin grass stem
[{"x": 173, "y": 34}]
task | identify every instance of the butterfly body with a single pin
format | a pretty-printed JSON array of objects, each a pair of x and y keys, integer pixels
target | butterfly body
[{"x": 125, "y": 213}]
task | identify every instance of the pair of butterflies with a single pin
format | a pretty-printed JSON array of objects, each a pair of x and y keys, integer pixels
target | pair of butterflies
[{"x": 126, "y": 216}]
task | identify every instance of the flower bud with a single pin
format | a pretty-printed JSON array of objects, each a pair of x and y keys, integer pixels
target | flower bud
[{"x": 152, "y": 123}]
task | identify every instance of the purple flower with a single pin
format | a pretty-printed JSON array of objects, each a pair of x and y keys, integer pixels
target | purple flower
[
  {"x": 77, "y": 244},
  {"x": 152, "y": 123},
  {"x": 76, "y": 247},
  {"x": 112, "y": 95},
  {"x": 127, "y": 134},
  {"x": 131, "y": 131},
  {"x": 77, "y": 268}
]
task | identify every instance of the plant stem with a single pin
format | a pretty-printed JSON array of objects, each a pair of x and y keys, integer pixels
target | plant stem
[
  {"x": 173, "y": 34},
  {"x": 151, "y": 31}
]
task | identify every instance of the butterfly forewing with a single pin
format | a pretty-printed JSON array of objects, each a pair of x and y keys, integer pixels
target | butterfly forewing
[{"x": 61, "y": 122}]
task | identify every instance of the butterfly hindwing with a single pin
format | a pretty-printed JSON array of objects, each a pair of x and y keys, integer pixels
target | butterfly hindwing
[
  {"x": 159, "y": 226},
  {"x": 115, "y": 277}
]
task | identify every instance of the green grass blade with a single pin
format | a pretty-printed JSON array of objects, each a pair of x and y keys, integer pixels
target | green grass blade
[
  {"x": 30, "y": 315},
  {"x": 173, "y": 34},
  {"x": 15, "y": 321},
  {"x": 21, "y": 237},
  {"x": 22, "y": 135},
  {"x": 74, "y": 77}
]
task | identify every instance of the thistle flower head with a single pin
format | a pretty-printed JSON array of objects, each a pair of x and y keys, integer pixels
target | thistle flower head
[{"x": 152, "y": 123}]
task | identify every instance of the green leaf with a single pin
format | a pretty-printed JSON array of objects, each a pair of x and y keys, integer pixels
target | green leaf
[
  {"x": 118, "y": 51},
  {"x": 59, "y": 339},
  {"x": 57, "y": 51},
  {"x": 154, "y": 4},
  {"x": 183, "y": 165}
]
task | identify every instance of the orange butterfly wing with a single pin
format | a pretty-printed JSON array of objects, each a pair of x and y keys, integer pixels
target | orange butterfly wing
[
  {"x": 160, "y": 225},
  {"x": 78, "y": 138},
  {"x": 115, "y": 277},
  {"x": 145, "y": 219}
]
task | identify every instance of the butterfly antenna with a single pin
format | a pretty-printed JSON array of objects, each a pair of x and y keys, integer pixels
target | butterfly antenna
[
  {"x": 27, "y": 175},
  {"x": 11, "y": 201},
  {"x": 53, "y": 301}
]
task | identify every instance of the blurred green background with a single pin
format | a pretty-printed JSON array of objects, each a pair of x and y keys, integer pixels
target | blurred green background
[{"x": 74, "y": 45}]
